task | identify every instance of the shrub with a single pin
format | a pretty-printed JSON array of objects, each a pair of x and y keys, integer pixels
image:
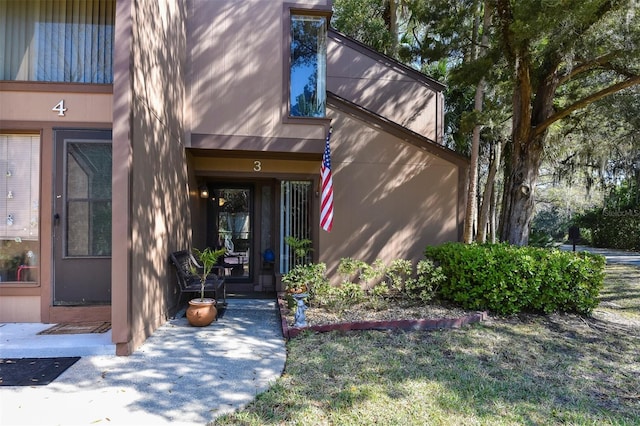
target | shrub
[
  {"x": 352, "y": 269},
  {"x": 361, "y": 282},
  {"x": 398, "y": 273},
  {"x": 348, "y": 293},
  {"x": 612, "y": 229},
  {"x": 428, "y": 279},
  {"x": 508, "y": 279},
  {"x": 310, "y": 278}
]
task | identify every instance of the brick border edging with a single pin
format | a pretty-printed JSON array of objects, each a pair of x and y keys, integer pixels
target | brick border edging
[{"x": 419, "y": 324}]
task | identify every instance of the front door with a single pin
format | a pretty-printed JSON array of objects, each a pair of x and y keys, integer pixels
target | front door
[
  {"x": 233, "y": 229},
  {"x": 82, "y": 217}
]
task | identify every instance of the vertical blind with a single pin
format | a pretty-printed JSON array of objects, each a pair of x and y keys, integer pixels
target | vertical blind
[
  {"x": 19, "y": 207},
  {"x": 57, "y": 40},
  {"x": 295, "y": 217},
  {"x": 19, "y": 186}
]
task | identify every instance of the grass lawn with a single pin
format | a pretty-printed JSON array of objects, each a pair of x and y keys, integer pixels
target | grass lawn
[{"x": 520, "y": 370}]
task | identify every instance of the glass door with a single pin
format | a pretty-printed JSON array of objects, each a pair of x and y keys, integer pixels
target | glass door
[
  {"x": 82, "y": 218},
  {"x": 234, "y": 222}
]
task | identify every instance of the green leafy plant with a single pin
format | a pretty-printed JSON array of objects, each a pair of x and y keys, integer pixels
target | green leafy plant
[
  {"x": 345, "y": 295},
  {"x": 309, "y": 278},
  {"x": 428, "y": 279},
  {"x": 352, "y": 269},
  {"x": 509, "y": 279},
  {"x": 208, "y": 259},
  {"x": 398, "y": 273},
  {"x": 618, "y": 229},
  {"x": 301, "y": 248}
]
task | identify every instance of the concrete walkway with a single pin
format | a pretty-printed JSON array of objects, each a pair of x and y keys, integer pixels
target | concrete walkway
[
  {"x": 180, "y": 376},
  {"x": 612, "y": 256}
]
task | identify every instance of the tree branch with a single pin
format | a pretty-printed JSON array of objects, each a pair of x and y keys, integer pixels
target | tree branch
[
  {"x": 587, "y": 66},
  {"x": 584, "y": 102}
]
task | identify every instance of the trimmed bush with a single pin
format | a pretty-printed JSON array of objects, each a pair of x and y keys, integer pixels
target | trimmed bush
[
  {"x": 613, "y": 229},
  {"x": 508, "y": 279}
]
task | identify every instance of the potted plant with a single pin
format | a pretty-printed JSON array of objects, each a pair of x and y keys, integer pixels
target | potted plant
[{"x": 202, "y": 311}]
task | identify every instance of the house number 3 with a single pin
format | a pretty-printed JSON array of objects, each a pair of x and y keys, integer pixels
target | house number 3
[
  {"x": 59, "y": 108},
  {"x": 257, "y": 166}
]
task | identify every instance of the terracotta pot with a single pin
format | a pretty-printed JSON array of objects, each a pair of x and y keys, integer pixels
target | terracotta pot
[{"x": 201, "y": 313}]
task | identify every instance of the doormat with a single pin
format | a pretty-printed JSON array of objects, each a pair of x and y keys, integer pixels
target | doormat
[
  {"x": 78, "y": 328},
  {"x": 33, "y": 371}
]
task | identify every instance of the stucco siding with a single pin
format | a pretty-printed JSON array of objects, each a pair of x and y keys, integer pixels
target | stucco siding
[
  {"x": 384, "y": 88},
  {"x": 391, "y": 198},
  {"x": 20, "y": 309},
  {"x": 158, "y": 183},
  {"x": 236, "y": 66},
  {"x": 37, "y": 106}
]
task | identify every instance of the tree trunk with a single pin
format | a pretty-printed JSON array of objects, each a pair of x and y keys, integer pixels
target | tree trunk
[
  {"x": 524, "y": 154},
  {"x": 492, "y": 215},
  {"x": 533, "y": 109},
  {"x": 391, "y": 20},
  {"x": 472, "y": 193},
  {"x": 487, "y": 197},
  {"x": 517, "y": 199},
  {"x": 519, "y": 191}
]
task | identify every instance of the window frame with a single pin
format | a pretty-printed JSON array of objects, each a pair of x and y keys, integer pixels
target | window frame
[
  {"x": 93, "y": 28},
  {"x": 34, "y": 190},
  {"x": 290, "y": 10}
]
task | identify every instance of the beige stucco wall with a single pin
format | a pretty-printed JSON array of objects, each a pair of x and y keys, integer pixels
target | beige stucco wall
[
  {"x": 37, "y": 106},
  {"x": 384, "y": 88},
  {"x": 157, "y": 184},
  {"x": 236, "y": 84},
  {"x": 20, "y": 309},
  {"x": 27, "y": 107},
  {"x": 391, "y": 198}
]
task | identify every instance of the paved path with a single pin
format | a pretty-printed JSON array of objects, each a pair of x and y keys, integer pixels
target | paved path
[
  {"x": 612, "y": 256},
  {"x": 180, "y": 376}
]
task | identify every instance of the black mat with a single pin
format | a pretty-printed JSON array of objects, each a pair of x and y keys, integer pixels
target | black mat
[
  {"x": 33, "y": 371},
  {"x": 221, "y": 311}
]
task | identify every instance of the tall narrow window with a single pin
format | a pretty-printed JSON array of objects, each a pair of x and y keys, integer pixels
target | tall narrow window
[
  {"x": 57, "y": 40},
  {"x": 295, "y": 218},
  {"x": 19, "y": 207},
  {"x": 308, "y": 64}
]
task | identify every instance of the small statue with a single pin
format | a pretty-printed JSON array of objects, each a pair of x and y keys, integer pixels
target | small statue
[{"x": 300, "y": 320}]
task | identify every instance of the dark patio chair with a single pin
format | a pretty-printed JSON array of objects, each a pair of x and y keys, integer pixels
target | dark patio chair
[{"x": 189, "y": 282}]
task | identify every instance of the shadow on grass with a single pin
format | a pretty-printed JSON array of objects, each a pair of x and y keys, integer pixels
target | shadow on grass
[
  {"x": 621, "y": 294},
  {"x": 518, "y": 370},
  {"x": 524, "y": 369}
]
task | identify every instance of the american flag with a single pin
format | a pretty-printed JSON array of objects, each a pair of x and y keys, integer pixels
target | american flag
[{"x": 326, "y": 201}]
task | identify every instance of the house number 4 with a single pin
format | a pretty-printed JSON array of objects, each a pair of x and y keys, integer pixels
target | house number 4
[{"x": 59, "y": 108}]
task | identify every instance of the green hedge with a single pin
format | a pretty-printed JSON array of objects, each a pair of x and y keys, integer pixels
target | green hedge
[
  {"x": 612, "y": 229},
  {"x": 508, "y": 279},
  {"x": 617, "y": 230}
]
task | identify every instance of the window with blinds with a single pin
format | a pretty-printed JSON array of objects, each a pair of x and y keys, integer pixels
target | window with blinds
[
  {"x": 19, "y": 206},
  {"x": 295, "y": 218},
  {"x": 57, "y": 40}
]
